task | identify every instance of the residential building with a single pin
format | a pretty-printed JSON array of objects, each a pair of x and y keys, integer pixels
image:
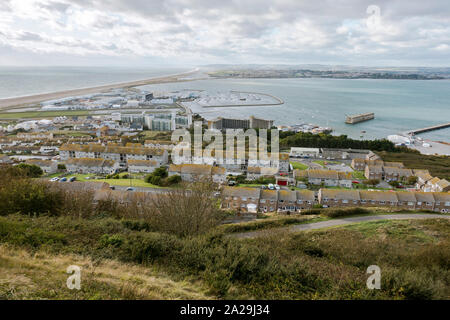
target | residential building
[
  {"x": 268, "y": 201},
  {"x": 442, "y": 186},
  {"x": 377, "y": 199},
  {"x": 396, "y": 173},
  {"x": 338, "y": 198},
  {"x": 113, "y": 152},
  {"x": 251, "y": 123},
  {"x": 374, "y": 172},
  {"x": 254, "y": 173},
  {"x": 304, "y": 152},
  {"x": 442, "y": 202},
  {"x": 92, "y": 165},
  {"x": 241, "y": 199},
  {"x": 196, "y": 172},
  {"x": 160, "y": 144},
  {"x": 48, "y": 166},
  {"x": 142, "y": 166},
  {"x": 329, "y": 178}
]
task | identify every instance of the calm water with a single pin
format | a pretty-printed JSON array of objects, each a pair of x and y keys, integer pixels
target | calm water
[
  {"x": 16, "y": 82},
  {"x": 399, "y": 105}
]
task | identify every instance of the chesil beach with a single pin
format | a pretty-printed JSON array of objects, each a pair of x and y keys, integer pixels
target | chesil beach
[{"x": 399, "y": 105}]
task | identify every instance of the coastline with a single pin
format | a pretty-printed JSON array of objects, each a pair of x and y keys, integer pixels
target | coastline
[{"x": 37, "y": 98}]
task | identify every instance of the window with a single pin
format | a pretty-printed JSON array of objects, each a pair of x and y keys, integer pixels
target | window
[
  {"x": 344, "y": 201},
  {"x": 419, "y": 203},
  {"x": 410, "y": 203},
  {"x": 300, "y": 201},
  {"x": 355, "y": 201}
]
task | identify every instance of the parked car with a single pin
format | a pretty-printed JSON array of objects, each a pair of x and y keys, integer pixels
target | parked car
[
  {"x": 231, "y": 183},
  {"x": 271, "y": 187},
  {"x": 131, "y": 189},
  {"x": 264, "y": 187},
  {"x": 73, "y": 179},
  {"x": 112, "y": 188},
  {"x": 54, "y": 179},
  {"x": 63, "y": 179},
  {"x": 277, "y": 187}
]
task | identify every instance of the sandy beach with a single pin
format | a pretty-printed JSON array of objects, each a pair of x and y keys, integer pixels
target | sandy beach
[{"x": 21, "y": 101}]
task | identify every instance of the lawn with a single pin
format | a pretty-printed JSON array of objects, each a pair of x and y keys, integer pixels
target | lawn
[
  {"x": 359, "y": 175},
  {"x": 299, "y": 166}
]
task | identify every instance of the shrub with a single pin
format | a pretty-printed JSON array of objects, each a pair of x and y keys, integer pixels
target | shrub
[
  {"x": 30, "y": 170},
  {"x": 335, "y": 213}
]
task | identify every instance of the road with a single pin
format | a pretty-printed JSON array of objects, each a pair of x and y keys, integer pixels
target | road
[{"x": 342, "y": 222}]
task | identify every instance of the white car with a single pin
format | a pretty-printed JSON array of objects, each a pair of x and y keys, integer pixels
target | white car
[
  {"x": 271, "y": 187},
  {"x": 277, "y": 187},
  {"x": 54, "y": 179}
]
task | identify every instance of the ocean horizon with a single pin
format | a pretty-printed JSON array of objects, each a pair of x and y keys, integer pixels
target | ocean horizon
[{"x": 399, "y": 105}]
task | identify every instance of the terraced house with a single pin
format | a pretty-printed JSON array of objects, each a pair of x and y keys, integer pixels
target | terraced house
[
  {"x": 142, "y": 166},
  {"x": 196, "y": 172},
  {"x": 433, "y": 201},
  {"x": 329, "y": 178},
  {"x": 120, "y": 154},
  {"x": 92, "y": 165}
]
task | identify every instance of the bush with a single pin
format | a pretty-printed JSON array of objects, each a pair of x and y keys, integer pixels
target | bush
[
  {"x": 173, "y": 180},
  {"x": 335, "y": 213},
  {"x": 30, "y": 170}
]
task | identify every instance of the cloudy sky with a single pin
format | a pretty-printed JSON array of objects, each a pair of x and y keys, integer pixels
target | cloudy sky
[{"x": 193, "y": 32}]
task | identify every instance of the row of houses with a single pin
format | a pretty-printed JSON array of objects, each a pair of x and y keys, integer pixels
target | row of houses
[
  {"x": 254, "y": 200},
  {"x": 196, "y": 172},
  {"x": 410, "y": 200},
  {"x": 427, "y": 183},
  {"x": 257, "y": 200},
  {"x": 360, "y": 164},
  {"x": 114, "y": 152},
  {"x": 329, "y": 178}
]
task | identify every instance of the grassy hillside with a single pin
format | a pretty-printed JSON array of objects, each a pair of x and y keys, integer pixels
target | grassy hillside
[
  {"x": 120, "y": 257},
  {"x": 26, "y": 274}
]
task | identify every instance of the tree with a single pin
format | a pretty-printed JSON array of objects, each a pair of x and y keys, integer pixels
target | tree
[
  {"x": 61, "y": 166},
  {"x": 185, "y": 211},
  {"x": 30, "y": 170},
  {"x": 372, "y": 182},
  {"x": 411, "y": 180}
]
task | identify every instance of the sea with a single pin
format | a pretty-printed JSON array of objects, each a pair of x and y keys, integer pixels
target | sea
[{"x": 399, "y": 105}]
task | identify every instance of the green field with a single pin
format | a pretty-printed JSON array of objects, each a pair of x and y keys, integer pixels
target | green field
[
  {"x": 42, "y": 114},
  {"x": 299, "y": 166},
  {"x": 358, "y": 175}
]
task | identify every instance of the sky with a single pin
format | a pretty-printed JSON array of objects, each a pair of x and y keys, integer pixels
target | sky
[{"x": 198, "y": 32}]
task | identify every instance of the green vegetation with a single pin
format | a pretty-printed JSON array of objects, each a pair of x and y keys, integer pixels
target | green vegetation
[
  {"x": 43, "y": 228},
  {"x": 42, "y": 114},
  {"x": 160, "y": 177},
  {"x": 359, "y": 175},
  {"x": 292, "y": 139},
  {"x": 437, "y": 165},
  {"x": 30, "y": 170},
  {"x": 299, "y": 166}
]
